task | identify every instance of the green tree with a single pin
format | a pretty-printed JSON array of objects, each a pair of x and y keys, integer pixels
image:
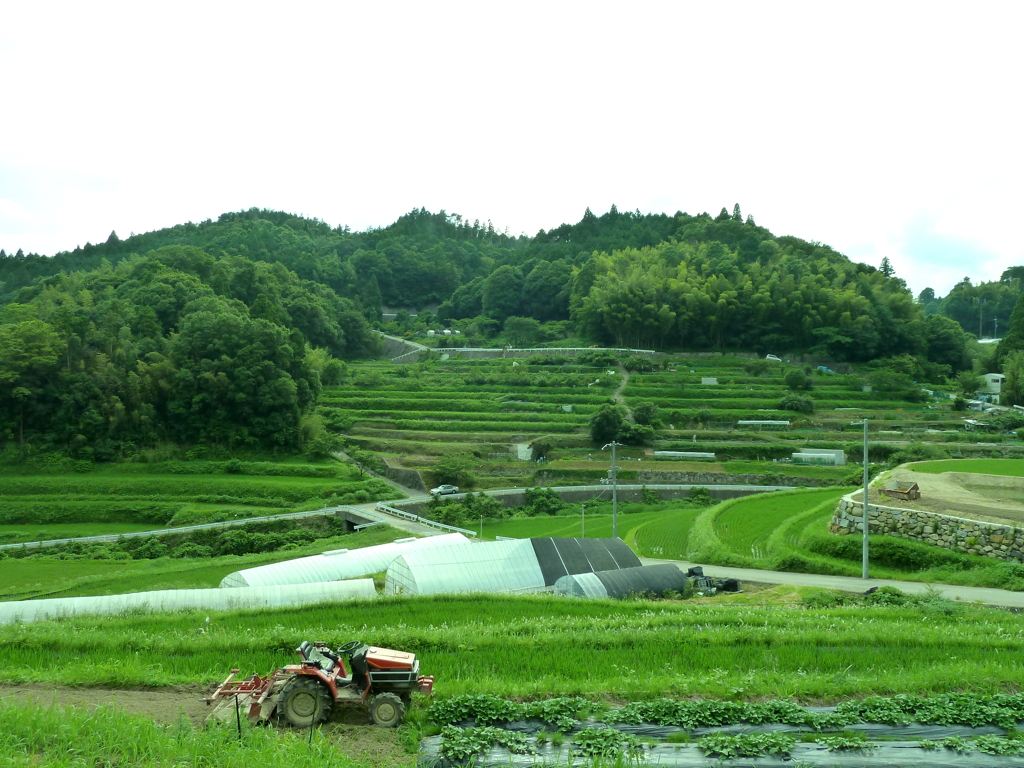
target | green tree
[
  {"x": 969, "y": 383},
  {"x": 502, "y": 292},
  {"x": 606, "y": 423},
  {"x": 1012, "y": 392},
  {"x": 454, "y": 469},
  {"x": 522, "y": 331}
]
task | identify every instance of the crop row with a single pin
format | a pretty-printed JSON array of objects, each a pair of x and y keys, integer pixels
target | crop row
[
  {"x": 478, "y": 426},
  {"x": 448, "y": 404},
  {"x": 968, "y": 709},
  {"x": 455, "y": 415},
  {"x": 470, "y": 389},
  {"x": 174, "y": 487},
  {"x": 721, "y": 403}
]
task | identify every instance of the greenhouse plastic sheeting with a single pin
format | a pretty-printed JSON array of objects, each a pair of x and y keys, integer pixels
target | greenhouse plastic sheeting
[
  {"x": 177, "y": 599},
  {"x": 522, "y": 565},
  {"x": 626, "y": 581},
  {"x": 499, "y": 566},
  {"x": 904, "y": 754},
  {"x": 336, "y": 565}
]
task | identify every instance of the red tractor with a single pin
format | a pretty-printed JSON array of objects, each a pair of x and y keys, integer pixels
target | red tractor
[{"x": 304, "y": 694}]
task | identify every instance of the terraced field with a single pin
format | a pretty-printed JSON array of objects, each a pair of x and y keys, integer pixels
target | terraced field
[
  {"x": 113, "y": 499},
  {"x": 490, "y": 410}
]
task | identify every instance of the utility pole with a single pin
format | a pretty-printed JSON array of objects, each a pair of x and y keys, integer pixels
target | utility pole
[
  {"x": 615, "y": 491},
  {"x": 864, "y": 550},
  {"x": 583, "y": 521}
]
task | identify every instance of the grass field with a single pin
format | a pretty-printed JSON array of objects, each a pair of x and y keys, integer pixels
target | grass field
[
  {"x": 16, "y": 534},
  {"x": 40, "y": 576},
  {"x": 60, "y": 738},
  {"x": 1008, "y": 467},
  {"x": 598, "y": 524},
  {"x": 541, "y": 646},
  {"x": 173, "y": 493}
]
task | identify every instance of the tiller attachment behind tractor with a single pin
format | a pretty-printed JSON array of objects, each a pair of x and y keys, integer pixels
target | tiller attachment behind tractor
[{"x": 304, "y": 694}]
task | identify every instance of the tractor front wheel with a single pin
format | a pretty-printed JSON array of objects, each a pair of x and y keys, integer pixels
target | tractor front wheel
[
  {"x": 304, "y": 702},
  {"x": 387, "y": 710}
]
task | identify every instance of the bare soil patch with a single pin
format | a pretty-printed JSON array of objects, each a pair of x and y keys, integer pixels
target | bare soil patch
[
  {"x": 951, "y": 493},
  {"x": 164, "y": 705}
]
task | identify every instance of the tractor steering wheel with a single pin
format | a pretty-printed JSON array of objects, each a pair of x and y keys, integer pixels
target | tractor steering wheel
[{"x": 349, "y": 647}]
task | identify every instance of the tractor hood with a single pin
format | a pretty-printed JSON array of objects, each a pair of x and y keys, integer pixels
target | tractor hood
[{"x": 385, "y": 658}]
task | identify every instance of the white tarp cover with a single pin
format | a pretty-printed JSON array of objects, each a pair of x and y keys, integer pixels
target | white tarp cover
[
  {"x": 176, "y": 599},
  {"x": 493, "y": 566},
  {"x": 523, "y": 565},
  {"x": 336, "y": 565}
]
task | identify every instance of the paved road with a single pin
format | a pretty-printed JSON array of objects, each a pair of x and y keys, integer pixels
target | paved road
[
  {"x": 987, "y": 596},
  {"x": 984, "y": 595}
]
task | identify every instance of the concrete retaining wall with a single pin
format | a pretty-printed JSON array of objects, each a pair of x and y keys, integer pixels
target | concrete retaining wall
[
  {"x": 516, "y": 497},
  {"x": 1003, "y": 542},
  {"x": 720, "y": 478},
  {"x": 410, "y": 478}
]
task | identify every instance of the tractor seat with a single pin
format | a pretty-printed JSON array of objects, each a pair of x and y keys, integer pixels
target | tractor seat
[{"x": 311, "y": 654}]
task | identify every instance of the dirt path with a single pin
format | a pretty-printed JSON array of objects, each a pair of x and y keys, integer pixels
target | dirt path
[
  {"x": 618, "y": 398},
  {"x": 164, "y": 705}
]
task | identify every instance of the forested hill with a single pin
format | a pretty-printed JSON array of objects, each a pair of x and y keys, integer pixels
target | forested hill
[
  {"x": 670, "y": 281},
  {"x": 177, "y": 345}
]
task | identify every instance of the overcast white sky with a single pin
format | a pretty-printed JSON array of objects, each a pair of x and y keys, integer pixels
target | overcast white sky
[{"x": 883, "y": 129}]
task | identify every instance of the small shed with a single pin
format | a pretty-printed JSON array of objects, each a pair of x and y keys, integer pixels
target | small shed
[{"x": 903, "y": 491}]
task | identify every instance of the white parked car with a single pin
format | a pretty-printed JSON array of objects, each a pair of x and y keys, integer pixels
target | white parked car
[
  {"x": 773, "y": 358},
  {"x": 444, "y": 490}
]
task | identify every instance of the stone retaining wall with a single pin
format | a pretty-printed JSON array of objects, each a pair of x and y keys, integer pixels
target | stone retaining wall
[
  {"x": 720, "y": 478},
  {"x": 1003, "y": 542}
]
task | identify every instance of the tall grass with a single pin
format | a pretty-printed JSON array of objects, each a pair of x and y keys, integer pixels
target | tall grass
[
  {"x": 107, "y": 736},
  {"x": 539, "y": 646}
]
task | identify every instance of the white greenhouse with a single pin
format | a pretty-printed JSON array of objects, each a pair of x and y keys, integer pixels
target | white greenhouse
[
  {"x": 521, "y": 565},
  {"x": 647, "y": 579},
  {"x": 177, "y": 599},
  {"x": 336, "y": 564}
]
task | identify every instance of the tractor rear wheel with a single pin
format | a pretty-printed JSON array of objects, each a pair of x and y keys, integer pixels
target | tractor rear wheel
[
  {"x": 387, "y": 710},
  {"x": 304, "y": 702}
]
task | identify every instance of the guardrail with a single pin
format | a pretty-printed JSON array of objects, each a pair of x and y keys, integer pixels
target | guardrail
[
  {"x": 199, "y": 527},
  {"x": 423, "y": 520}
]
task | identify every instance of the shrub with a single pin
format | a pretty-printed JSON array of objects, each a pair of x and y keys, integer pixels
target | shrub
[
  {"x": 192, "y": 550},
  {"x": 798, "y": 403},
  {"x": 599, "y": 358},
  {"x": 797, "y": 379},
  {"x": 639, "y": 364},
  {"x": 635, "y": 434},
  {"x": 756, "y": 367},
  {"x": 646, "y": 413},
  {"x": 541, "y": 501}
]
